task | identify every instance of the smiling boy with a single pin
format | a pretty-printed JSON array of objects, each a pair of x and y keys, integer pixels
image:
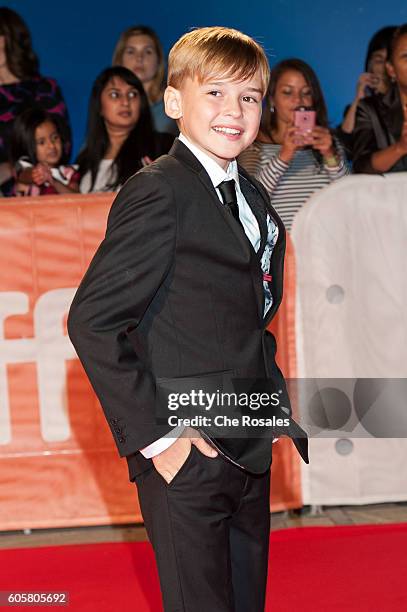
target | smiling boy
[{"x": 181, "y": 290}]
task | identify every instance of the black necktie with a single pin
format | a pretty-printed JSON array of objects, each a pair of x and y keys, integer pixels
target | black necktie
[{"x": 228, "y": 192}]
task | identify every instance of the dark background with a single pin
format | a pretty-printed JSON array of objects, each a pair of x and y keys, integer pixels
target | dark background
[{"x": 75, "y": 40}]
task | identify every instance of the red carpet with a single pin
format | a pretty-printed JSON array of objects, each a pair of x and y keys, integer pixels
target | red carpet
[{"x": 314, "y": 569}]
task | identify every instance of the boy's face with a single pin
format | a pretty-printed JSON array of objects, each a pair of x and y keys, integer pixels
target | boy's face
[{"x": 220, "y": 116}]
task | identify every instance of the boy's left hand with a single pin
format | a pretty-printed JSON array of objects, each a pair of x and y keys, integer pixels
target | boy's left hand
[{"x": 169, "y": 462}]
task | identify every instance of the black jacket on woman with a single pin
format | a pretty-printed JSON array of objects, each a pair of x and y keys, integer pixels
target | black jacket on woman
[{"x": 379, "y": 121}]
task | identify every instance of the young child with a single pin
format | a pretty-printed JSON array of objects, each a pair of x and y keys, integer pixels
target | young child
[
  {"x": 38, "y": 158},
  {"x": 178, "y": 297}
]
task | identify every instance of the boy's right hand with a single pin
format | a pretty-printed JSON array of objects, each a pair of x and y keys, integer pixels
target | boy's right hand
[{"x": 169, "y": 462}]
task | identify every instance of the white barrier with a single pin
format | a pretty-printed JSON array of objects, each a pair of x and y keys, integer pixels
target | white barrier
[{"x": 351, "y": 253}]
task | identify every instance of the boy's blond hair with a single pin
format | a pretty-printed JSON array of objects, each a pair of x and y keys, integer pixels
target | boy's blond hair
[{"x": 216, "y": 52}]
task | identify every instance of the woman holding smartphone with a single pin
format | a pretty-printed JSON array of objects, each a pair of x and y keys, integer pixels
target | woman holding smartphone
[
  {"x": 380, "y": 139},
  {"x": 292, "y": 160},
  {"x": 374, "y": 81}
]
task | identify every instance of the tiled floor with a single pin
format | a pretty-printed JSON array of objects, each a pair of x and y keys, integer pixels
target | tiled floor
[{"x": 334, "y": 515}]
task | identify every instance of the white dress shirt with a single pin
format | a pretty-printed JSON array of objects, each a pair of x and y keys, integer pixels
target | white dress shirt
[{"x": 251, "y": 228}]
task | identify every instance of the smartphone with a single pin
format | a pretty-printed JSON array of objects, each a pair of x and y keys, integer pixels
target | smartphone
[{"x": 304, "y": 119}]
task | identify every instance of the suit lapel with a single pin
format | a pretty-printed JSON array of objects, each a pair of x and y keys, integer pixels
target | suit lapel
[
  {"x": 241, "y": 237},
  {"x": 277, "y": 258},
  {"x": 258, "y": 200},
  {"x": 184, "y": 155},
  {"x": 258, "y": 208},
  {"x": 261, "y": 206}
]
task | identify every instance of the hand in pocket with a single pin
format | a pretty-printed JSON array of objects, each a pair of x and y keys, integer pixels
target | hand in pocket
[{"x": 169, "y": 462}]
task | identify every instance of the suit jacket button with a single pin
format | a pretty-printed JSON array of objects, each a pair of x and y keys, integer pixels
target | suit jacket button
[
  {"x": 121, "y": 439},
  {"x": 118, "y": 430},
  {"x": 113, "y": 421}
]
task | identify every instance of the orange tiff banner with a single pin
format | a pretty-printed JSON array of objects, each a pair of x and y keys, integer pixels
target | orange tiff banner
[{"x": 59, "y": 465}]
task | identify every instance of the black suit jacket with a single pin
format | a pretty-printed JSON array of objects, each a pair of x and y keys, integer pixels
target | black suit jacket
[
  {"x": 379, "y": 121},
  {"x": 175, "y": 291}
]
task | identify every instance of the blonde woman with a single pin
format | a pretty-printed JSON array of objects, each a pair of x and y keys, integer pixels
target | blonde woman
[{"x": 139, "y": 49}]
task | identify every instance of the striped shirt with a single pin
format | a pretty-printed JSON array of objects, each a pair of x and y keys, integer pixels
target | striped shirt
[{"x": 290, "y": 185}]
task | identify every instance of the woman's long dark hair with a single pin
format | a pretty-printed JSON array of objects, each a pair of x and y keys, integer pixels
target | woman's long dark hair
[
  {"x": 269, "y": 118},
  {"x": 139, "y": 143},
  {"x": 22, "y": 142},
  {"x": 21, "y": 59},
  {"x": 397, "y": 34},
  {"x": 380, "y": 40}
]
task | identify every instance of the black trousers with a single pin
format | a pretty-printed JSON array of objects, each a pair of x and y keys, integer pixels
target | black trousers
[{"x": 210, "y": 532}]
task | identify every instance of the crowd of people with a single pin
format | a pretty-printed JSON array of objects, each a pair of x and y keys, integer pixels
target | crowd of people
[{"x": 127, "y": 126}]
